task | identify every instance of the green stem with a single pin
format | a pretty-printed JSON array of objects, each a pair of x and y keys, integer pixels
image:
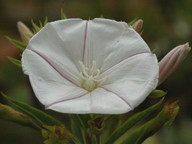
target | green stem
[
  {"x": 87, "y": 137},
  {"x": 98, "y": 138}
]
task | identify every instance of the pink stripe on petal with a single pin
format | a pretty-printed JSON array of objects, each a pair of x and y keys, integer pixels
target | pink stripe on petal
[
  {"x": 60, "y": 101},
  {"x": 85, "y": 40},
  {"x": 53, "y": 67},
  {"x": 117, "y": 96},
  {"x": 116, "y": 66}
]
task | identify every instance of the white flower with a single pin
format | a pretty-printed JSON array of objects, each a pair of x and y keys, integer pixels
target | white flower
[{"x": 95, "y": 66}]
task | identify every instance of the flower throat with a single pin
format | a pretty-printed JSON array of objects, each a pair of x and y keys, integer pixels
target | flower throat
[{"x": 90, "y": 76}]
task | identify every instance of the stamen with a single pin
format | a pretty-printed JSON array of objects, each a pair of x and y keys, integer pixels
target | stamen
[{"x": 90, "y": 76}]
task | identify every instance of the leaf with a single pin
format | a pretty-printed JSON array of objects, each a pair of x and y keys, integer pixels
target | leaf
[
  {"x": 37, "y": 115},
  {"x": 40, "y": 23},
  {"x": 112, "y": 123},
  {"x": 154, "y": 50},
  {"x": 133, "y": 21},
  {"x": 29, "y": 36},
  {"x": 131, "y": 122},
  {"x": 46, "y": 20},
  {"x": 157, "y": 94},
  {"x": 15, "y": 61},
  {"x": 84, "y": 118},
  {"x": 63, "y": 16},
  {"x": 76, "y": 127},
  {"x": 37, "y": 28},
  {"x": 18, "y": 44},
  {"x": 9, "y": 114},
  {"x": 167, "y": 115}
]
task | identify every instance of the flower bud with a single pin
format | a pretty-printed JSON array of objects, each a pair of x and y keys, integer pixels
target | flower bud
[
  {"x": 97, "y": 124},
  {"x": 24, "y": 31},
  {"x": 137, "y": 26},
  {"x": 9, "y": 114},
  {"x": 168, "y": 64}
]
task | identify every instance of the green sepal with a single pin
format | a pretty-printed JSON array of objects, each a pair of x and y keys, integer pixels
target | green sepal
[
  {"x": 36, "y": 27},
  {"x": 154, "y": 50},
  {"x": 37, "y": 115},
  {"x": 167, "y": 115},
  {"x": 131, "y": 122},
  {"x": 29, "y": 36},
  {"x": 40, "y": 23},
  {"x": 133, "y": 21},
  {"x": 63, "y": 16},
  {"x": 157, "y": 94},
  {"x": 18, "y": 44},
  {"x": 15, "y": 61},
  {"x": 46, "y": 21}
]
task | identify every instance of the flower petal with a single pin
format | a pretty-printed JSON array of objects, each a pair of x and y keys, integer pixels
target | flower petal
[
  {"x": 109, "y": 42},
  {"x": 133, "y": 79},
  {"x": 48, "y": 84},
  {"x": 98, "y": 101},
  {"x": 62, "y": 40}
]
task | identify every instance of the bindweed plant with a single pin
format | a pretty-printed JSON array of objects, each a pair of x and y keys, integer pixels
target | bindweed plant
[{"x": 95, "y": 71}]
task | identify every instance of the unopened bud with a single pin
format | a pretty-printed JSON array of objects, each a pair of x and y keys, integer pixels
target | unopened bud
[
  {"x": 24, "y": 31},
  {"x": 97, "y": 124},
  {"x": 137, "y": 26},
  {"x": 168, "y": 64}
]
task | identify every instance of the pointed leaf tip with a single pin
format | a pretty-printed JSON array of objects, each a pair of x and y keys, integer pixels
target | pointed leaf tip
[
  {"x": 15, "y": 61},
  {"x": 63, "y": 16},
  {"x": 157, "y": 94},
  {"x": 18, "y": 44},
  {"x": 37, "y": 115}
]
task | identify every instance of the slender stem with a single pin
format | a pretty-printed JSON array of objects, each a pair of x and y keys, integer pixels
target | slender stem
[
  {"x": 98, "y": 138},
  {"x": 88, "y": 139}
]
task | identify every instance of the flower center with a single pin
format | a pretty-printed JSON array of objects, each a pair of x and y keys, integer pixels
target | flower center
[{"x": 90, "y": 76}]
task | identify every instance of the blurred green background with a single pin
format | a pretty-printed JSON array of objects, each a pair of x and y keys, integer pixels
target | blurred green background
[{"x": 167, "y": 23}]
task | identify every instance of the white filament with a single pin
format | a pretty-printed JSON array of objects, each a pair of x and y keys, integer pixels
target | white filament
[{"x": 90, "y": 76}]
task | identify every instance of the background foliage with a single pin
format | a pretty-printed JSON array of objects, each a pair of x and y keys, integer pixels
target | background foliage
[{"x": 166, "y": 25}]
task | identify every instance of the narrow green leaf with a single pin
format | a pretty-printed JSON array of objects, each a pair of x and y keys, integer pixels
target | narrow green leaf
[
  {"x": 167, "y": 115},
  {"x": 9, "y": 114},
  {"x": 76, "y": 127},
  {"x": 40, "y": 23},
  {"x": 131, "y": 122},
  {"x": 28, "y": 35},
  {"x": 111, "y": 124},
  {"x": 37, "y": 28},
  {"x": 18, "y": 44},
  {"x": 133, "y": 21},
  {"x": 157, "y": 94},
  {"x": 154, "y": 50},
  {"x": 46, "y": 20},
  {"x": 15, "y": 61},
  {"x": 37, "y": 115},
  {"x": 63, "y": 16},
  {"x": 85, "y": 118}
]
